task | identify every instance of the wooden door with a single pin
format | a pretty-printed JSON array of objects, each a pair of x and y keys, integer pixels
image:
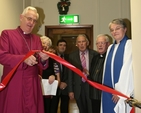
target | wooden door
[{"x": 69, "y": 33}]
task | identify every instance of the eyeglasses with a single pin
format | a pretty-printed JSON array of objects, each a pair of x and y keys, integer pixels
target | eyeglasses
[
  {"x": 116, "y": 29},
  {"x": 31, "y": 19},
  {"x": 101, "y": 43}
]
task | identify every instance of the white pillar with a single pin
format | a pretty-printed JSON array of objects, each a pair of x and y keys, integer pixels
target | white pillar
[{"x": 136, "y": 37}]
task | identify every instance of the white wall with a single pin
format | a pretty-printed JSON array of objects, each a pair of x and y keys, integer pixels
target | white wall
[
  {"x": 96, "y": 12},
  {"x": 136, "y": 36},
  {"x": 10, "y": 11}
]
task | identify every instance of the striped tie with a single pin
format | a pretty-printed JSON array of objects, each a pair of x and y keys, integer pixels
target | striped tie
[{"x": 83, "y": 63}]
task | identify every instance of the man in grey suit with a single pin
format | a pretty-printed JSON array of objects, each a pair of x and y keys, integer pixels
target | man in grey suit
[{"x": 79, "y": 89}]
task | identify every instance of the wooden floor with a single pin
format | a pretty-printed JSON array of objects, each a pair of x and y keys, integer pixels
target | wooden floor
[{"x": 72, "y": 107}]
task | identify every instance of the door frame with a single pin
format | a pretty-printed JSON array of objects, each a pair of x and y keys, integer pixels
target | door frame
[{"x": 81, "y": 29}]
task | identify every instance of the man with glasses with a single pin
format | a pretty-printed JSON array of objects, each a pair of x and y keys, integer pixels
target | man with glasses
[
  {"x": 96, "y": 70},
  {"x": 23, "y": 93}
]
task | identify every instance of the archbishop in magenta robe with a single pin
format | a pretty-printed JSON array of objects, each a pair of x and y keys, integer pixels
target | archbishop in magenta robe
[{"x": 23, "y": 93}]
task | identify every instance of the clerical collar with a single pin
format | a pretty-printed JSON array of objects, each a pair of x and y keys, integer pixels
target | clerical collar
[
  {"x": 101, "y": 55},
  {"x": 23, "y": 32}
]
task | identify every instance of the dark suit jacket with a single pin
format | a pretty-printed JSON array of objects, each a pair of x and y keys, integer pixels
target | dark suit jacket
[
  {"x": 64, "y": 77},
  {"x": 74, "y": 80}
]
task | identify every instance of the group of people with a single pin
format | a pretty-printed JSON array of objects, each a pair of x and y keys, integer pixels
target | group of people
[{"x": 110, "y": 65}]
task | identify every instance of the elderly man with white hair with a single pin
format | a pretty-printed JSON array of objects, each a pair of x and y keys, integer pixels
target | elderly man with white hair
[
  {"x": 23, "y": 93},
  {"x": 96, "y": 70}
]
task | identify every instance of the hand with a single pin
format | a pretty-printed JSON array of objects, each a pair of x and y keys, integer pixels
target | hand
[
  {"x": 71, "y": 95},
  {"x": 31, "y": 60},
  {"x": 51, "y": 79},
  {"x": 58, "y": 78},
  {"x": 63, "y": 85},
  {"x": 40, "y": 77},
  {"x": 115, "y": 98},
  {"x": 43, "y": 56},
  {"x": 86, "y": 71}
]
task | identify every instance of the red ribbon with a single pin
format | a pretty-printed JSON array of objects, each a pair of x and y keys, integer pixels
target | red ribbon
[
  {"x": 6, "y": 80},
  {"x": 8, "y": 77},
  {"x": 94, "y": 84},
  {"x": 79, "y": 72}
]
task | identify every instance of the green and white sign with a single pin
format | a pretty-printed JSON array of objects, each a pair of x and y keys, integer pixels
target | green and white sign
[{"x": 69, "y": 19}]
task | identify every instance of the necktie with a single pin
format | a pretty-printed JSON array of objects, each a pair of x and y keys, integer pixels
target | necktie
[{"x": 83, "y": 62}]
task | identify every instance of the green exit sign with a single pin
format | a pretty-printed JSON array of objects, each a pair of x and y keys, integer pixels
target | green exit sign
[{"x": 69, "y": 19}]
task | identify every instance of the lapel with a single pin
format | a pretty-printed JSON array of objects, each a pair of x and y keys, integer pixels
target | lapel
[
  {"x": 90, "y": 57},
  {"x": 59, "y": 65},
  {"x": 77, "y": 58},
  {"x": 65, "y": 57}
]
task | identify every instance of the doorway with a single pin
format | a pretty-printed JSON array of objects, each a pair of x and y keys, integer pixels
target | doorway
[{"x": 69, "y": 33}]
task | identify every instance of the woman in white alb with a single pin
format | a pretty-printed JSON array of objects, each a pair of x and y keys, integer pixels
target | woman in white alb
[{"x": 118, "y": 72}]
